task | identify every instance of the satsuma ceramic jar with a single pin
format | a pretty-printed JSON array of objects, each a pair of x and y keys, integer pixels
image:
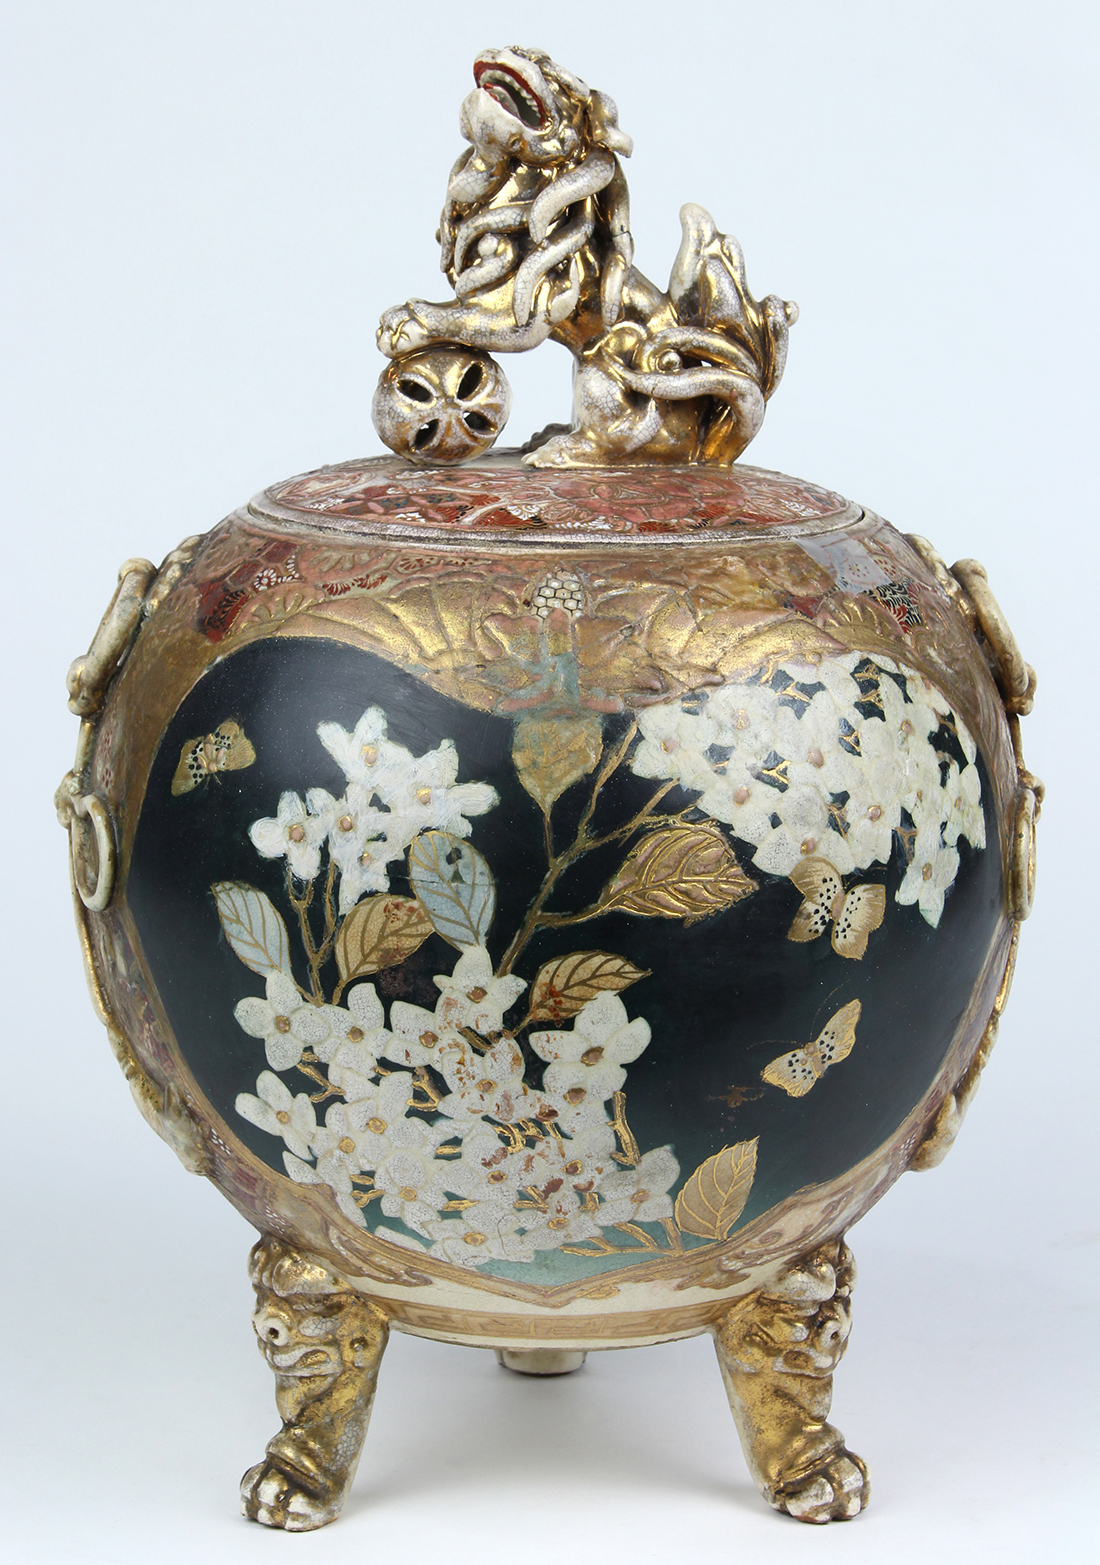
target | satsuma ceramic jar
[{"x": 554, "y": 899}]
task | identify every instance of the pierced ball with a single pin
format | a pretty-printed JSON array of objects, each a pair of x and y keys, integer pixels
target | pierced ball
[{"x": 441, "y": 404}]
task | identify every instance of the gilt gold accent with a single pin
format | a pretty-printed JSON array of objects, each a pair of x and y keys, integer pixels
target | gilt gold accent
[
  {"x": 967, "y": 584},
  {"x": 89, "y": 675},
  {"x": 324, "y": 1341},
  {"x": 535, "y": 240},
  {"x": 777, "y": 1350}
]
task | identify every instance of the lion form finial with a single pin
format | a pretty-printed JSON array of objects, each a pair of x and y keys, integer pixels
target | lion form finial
[{"x": 535, "y": 241}]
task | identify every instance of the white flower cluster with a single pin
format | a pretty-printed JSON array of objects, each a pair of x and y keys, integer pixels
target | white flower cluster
[
  {"x": 473, "y": 1192},
  {"x": 390, "y": 798},
  {"x": 773, "y": 770}
]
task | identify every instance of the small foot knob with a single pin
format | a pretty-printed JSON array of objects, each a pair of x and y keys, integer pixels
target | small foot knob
[{"x": 540, "y": 1361}]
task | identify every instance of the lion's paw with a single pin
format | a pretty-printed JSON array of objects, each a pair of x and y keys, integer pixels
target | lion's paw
[
  {"x": 268, "y": 1496},
  {"x": 569, "y": 450},
  {"x": 835, "y": 1493},
  {"x": 401, "y": 330}
]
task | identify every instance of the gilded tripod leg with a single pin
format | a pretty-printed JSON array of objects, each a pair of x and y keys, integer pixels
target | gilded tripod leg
[
  {"x": 325, "y": 1342},
  {"x": 778, "y": 1349}
]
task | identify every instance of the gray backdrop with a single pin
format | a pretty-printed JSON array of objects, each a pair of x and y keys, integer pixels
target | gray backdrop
[{"x": 206, "y": 207}]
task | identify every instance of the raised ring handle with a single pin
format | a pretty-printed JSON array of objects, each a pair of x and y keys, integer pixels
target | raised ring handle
[
  {"x": 1015, "y": 677},
  {"x": 95, "y": 892},
  {"x": 1021, "y": 850}
]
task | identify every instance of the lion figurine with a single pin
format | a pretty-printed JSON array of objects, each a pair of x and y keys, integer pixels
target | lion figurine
[{"x": 535, "y": 240}]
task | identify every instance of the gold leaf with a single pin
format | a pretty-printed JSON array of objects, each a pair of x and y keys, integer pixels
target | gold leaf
[
  {"x": 683, "y": 872},
  {"x": 380, "y": 932},
  {"x": 564, "y": 985},
  {"x": 552, "y": 753},
  {"x": 715, "y": 1195}
]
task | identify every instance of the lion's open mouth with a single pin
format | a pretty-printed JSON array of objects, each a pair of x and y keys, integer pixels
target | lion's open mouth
[{"x": 508, "y": 88}]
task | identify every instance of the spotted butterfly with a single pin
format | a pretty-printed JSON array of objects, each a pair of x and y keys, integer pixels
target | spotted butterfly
[
  {"x": 227, "y": 749},
  {"x": 853, "y": 914},
  {"x": 797, "y": 1071}
]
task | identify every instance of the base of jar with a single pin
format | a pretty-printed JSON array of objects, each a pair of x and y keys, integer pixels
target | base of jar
[{"x": 539, "y": 1361}]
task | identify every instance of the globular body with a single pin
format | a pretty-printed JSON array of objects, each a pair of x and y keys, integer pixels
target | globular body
[{"x": 520, "y": 760}]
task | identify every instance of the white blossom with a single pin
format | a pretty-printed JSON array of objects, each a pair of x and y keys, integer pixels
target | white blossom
[
  {"x": 279, "y": 1112},
  {"x": 810, "y": 743},
  {"x": 416, "y": 795},
  {"x": 383, "y": 1124},
  {"x": 479, "y": 1234},
  {"x": 413, "y": 1182},
  {"x": 586, "y": 1065},
  {"x": 560, "y": 1218},
  {"x": 337, "y": 1162},
  {"x": 294, "y": 833},
  {"x": 835, "y": 673},
  {"x": 674, "y": 744},
  {"x": 358, "y": 842},
  {"x": 488, "y": 1082},
  {"x": 356, "y": 1040},
  {"x": 470, "y": 997},
  {"x": 806, "y": 830},
  {"x": 286, "y": 1021},
  {"x": 640, "y": 1195},
  {"x": 745, "y": 715},
  {"x": 365, "y": 755},
  {"x": 743, "y": 802},
  {"x": 965, "y": 817},
  {"x": 930, "y": 875}
]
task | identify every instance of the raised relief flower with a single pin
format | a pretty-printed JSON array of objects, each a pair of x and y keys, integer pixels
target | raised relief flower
[
  {"x": 279, "y": 1112},
  {"x": 835, "y": 673},
  {"x": 640, "y": 1194},
  {"x": 674, "y": 744},
  {"x": 479, "y": 1234},
  {"x": 383, "y": 1124},
  {"x": 745, "y": 715},
  {"x": 470, "y": 997},
  {"x": 358, "y": 842},
  {"x": 424, "y": 796},
  {"x": 965, "y": 817},
  {"x": 294, "y": 833},
  {"x": 285, "y": 1021},
  {"x": 356, "y": 1040},
  {"x": 485, "y": 1082},
  {"x": 364, "y": 755},
  {"x": 559, "y": 1217},
  {"x": 810, "y": 743},
  {"x": 413, "y": 1182},
  {"x": 418, "y": 794},
  {"x": 743, "y": 802},
  {"x": 930, "y": 875},
  {"x": 586, "y": 1065},
  {"x": 336, "y": 1145},
  {"x": 807, "y": 829}
]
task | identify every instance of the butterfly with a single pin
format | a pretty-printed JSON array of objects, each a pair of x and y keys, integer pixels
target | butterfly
[
  {"x": 797, "y": 1071},
  {"x": 853, "y": 914},
  {"x": 227, "y": 749}
]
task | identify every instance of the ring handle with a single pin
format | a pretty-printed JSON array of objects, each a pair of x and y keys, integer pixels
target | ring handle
[
  {"x": 94, "y": 893},
  {"x": 1021, "y": 864},
  {"x": 1015, "y": 677}
]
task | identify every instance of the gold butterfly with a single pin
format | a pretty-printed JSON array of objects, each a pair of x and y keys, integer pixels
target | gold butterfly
[
  {"x": 797, "y": 1071},
  {"x": 227, "y": 749},
  {"x": 853, "y": 914}
]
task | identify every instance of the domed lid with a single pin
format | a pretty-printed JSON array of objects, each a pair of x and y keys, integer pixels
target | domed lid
[{"x": 500, "y": 498}]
